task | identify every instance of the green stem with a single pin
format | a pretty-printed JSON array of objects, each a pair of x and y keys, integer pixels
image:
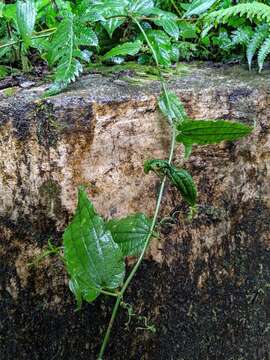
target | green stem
[
  {"x": 40, "y": 34},
  {"x": 154, "y": 221},
  {"x": 176, "y": 8},
  {"x": 108, "y": 293},
  {"x": 150, "y": 18},
  {"x": 164, "y": 87},
  {"x": 9, "y": 44},
  {"x": 109, "y": 328},
  {"x": 157, "y": 209},
  {"x": 43, "y": 35},
  {"x": 52, "y": 30},
  {"x": 138, "y": 263},
  {"x": 147, "y": 41}
]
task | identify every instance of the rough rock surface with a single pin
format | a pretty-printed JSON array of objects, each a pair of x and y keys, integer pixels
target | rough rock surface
[{"x": 205, "y": 285}]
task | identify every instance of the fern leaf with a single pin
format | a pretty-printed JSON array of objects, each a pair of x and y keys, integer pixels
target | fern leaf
[
  {"x": 65, "y": 51},
  {"x": 62, "y": 42},
  {"x": 256, "y": 41},
  {"x": 85, "y": 36},
  {"x": 242, "y": 35},
  {"x": 252, "y": 10},
  {"x": 61, "y": 52},
  {"x": 68, "y": 70},
  {"x": 263, "y": 52}
]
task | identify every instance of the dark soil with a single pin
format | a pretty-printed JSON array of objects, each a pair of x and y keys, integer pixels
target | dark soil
[{"x": 227, "y": 319}]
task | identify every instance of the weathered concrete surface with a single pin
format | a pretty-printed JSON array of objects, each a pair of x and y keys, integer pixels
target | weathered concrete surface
[{"x": 99, "y": 134}]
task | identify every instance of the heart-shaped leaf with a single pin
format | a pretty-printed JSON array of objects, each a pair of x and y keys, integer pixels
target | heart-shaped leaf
[
  {"x": 130, "y": 233},
  {"x": 93, "y": 260}
]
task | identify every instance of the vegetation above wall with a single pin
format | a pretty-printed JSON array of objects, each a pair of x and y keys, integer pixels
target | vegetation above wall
[{"x": 63, "y": 38}]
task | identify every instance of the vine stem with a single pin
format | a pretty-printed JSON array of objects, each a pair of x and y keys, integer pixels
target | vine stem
[
  {"x": 138, "y": 263},
  {"x": 157, "y": 209},
  {"x": 164, "y": 87}
]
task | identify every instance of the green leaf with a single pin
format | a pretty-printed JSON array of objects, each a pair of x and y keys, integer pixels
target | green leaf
[
  {"x": 129, "y": 48},
  {"x": 68, "y": 70},
  {"x": 197, "y": 7},
  {"x": 183, "y": 181},
  {"x": 180, "y": 178},
  {"x": 3, "y": 71},
  {"x": 242, "y": 35},
  {"x": 169, "y": 26},
  {"x": 85, "y": 55},
  {"x": 159, "y": 167},
  {"x": 2, "y": 5},
  {"x": 65, "y": 53},
  {"x": 263, "y": 53},
  {"x": 93, "y": 260},
  {"x": 167, "y": 20},
  {"x": 204, "y": 132},
  {"x": 188, "y": 31},
  {"x": 89, "y": 12},
  {"x": 85, "y": 36},
  {"x": 188, "y": 151},
  {"x": 130, "y": 233},
  {"x": 171, "y": 107},
  {"x": 252, "y": 10},
  {"x": 26, "y": 17},
  {"x": 55, "y": 88},
  {"x": 162, "y": 46},
  {"x": 107, "y": 11},
  {"x": 140, "y": 7},
  {"x": 256, "y": 41},
  {"x": 108, "y": 7},
  {"x": 111, "y": 25},
  {"x": 9, "y": 12},
  {"x": 91, "y": 16},
  {"x": 62, "y": 44}
]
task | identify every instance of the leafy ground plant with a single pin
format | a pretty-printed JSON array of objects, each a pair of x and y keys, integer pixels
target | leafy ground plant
[
  {"x": 66, "y": 37},
  {"x": 255, "y": 41},
  {"x": 95, "y": 250}
]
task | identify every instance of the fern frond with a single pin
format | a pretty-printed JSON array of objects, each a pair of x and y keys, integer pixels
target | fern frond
[
  {"x": 65, "y": 52},
  {"x": 84, "y": 36},
  {"x": 252, "y": 10},
  {"x": 67, "y": 71},
  {"x": 242, "y": 35},
  {"x": 61, "y": 49},
  {"x": 263, "y": 52},
  {"x": 256, "y": 41}
]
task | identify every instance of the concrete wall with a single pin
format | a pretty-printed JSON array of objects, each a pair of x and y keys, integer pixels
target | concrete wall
[{"x": 205, "y": 285}]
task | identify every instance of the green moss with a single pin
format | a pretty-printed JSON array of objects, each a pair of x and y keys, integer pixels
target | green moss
[
  {"x": 138, "y": 73},
  {"x": 9, "y": 91},
  {"x": 48, "y": 127}
]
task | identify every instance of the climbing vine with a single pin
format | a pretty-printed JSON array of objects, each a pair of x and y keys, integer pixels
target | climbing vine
[
  {"x": 94, "y": 249},
  {"x": 68, "y": 36}
]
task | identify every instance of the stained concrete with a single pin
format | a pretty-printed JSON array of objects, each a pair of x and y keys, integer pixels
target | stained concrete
[{"x": 205, "y": 284}]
